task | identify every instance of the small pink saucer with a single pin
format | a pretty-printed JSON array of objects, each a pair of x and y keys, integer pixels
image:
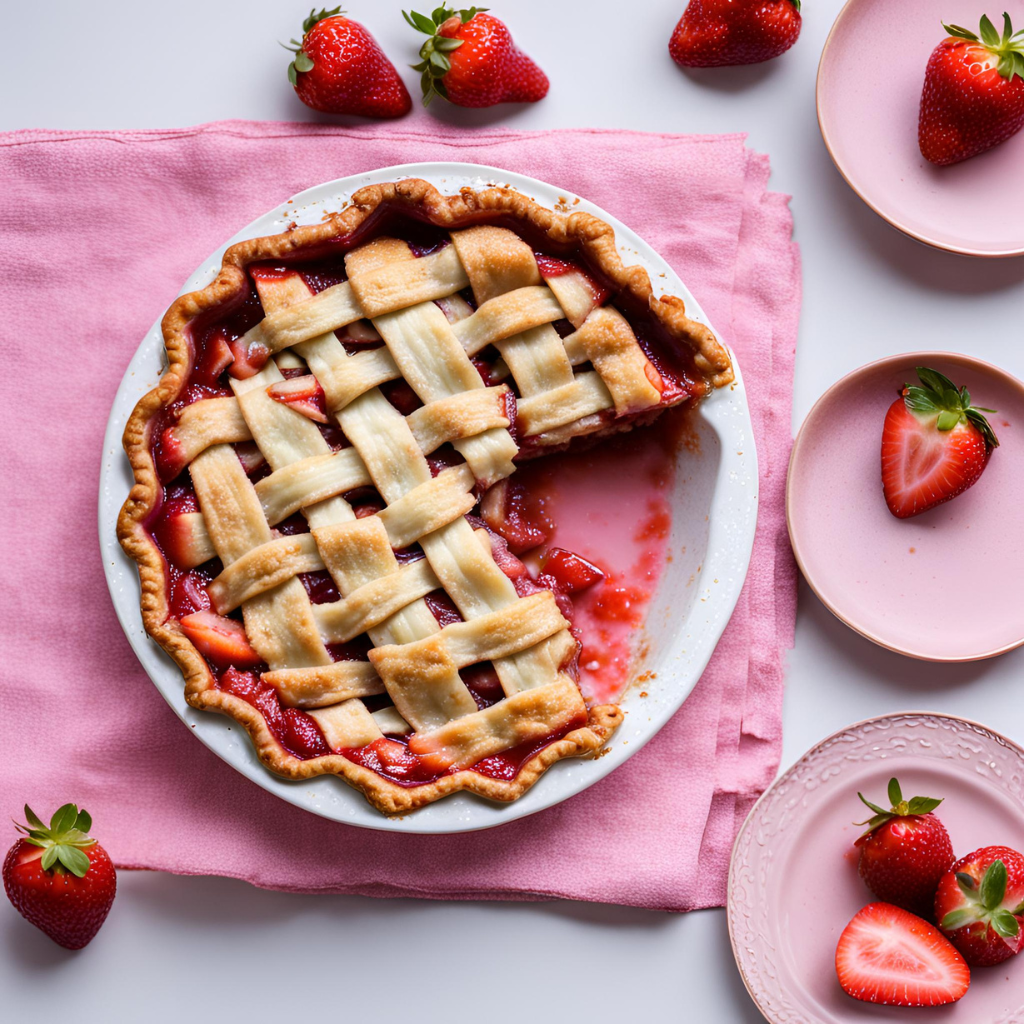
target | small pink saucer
[
  {"x": 869, "y": 90},
  {"x": 793, "y": 882},
  {"x": 943, "y": 586}
]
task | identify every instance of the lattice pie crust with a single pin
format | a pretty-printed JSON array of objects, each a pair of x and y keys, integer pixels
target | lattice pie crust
[{"x": 430, "y": 335}]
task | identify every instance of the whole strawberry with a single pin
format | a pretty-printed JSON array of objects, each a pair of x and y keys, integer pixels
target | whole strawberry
[
  {"x": 60, "y": 879},
  {"x": 973, "y": 95},
  {"x": 713, "y": 33},
  {"x": 980, "y": 905},
  {"x": 935, "y": 444},
  {"x": 905, "y": 851},
  {"x": 471, "y": 60},
  {"x": 340, "y": 69}
]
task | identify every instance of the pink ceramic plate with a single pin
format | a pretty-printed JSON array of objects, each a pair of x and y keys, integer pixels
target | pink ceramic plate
[
  {"x": 793, "y": 882},
  {"x": 944, "y": 585},
  {"x": 869, "y": 90}
]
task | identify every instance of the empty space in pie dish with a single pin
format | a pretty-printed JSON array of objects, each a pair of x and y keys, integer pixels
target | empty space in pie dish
[
  {"x": 715, "y": 484},
  {"x": 869, "y": 93},
  {"x": 944, "y": 585},
  {"x": 797, "y": 845}
]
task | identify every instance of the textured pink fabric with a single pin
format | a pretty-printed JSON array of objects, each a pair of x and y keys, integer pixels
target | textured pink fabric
[{"x": 97, "y": 232}]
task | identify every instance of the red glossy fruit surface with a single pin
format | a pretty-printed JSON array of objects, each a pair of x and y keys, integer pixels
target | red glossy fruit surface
[
  {"x": 340, "y": 69},
  {"x": 935, "y": 444},
  {"x": 471, "y": 60},
  {"x": 70, "y": 897},
  {"x": 980, "y": 905},
  {"x": 905, "y": 851},
  {"x": 569, "y": 572},
  {"x": 713, "y": 33},
  {"x": 973, "y": 95},
  {"x": 888, "y": 955},
  {"x": 220, "y": 640}
]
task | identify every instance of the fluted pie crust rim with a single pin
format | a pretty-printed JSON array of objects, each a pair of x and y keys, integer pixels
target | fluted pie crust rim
[{"x": 594, "y": 237}]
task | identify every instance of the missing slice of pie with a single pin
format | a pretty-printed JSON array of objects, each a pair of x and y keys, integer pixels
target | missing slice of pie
[{"x": 309, "y": 473}]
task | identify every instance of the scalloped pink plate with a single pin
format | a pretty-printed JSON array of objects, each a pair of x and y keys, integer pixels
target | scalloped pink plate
[
  {"x": 869, "y": 91},
  {"x": 793, "y": 882},
  {"x": 944, "y": 585}
]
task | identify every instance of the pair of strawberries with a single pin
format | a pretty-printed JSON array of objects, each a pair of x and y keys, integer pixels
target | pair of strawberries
[
  {"x": 890, "y": 952},
  {"x": 469, "y": 59}
]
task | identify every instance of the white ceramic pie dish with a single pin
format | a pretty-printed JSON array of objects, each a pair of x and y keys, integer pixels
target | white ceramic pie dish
[{"x": 714, "y": 517}]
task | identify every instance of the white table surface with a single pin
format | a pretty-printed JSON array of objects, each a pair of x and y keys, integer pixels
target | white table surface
[{"x": 167, "y": 949}]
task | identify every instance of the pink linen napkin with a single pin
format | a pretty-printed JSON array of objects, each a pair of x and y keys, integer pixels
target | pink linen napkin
[{"x": 99, "y": 230}]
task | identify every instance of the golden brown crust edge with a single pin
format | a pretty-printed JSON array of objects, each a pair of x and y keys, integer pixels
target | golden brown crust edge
[{"x": 595, "y": 237}]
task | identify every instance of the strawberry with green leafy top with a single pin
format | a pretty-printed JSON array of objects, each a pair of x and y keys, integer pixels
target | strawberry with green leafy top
[
  {"x": 888, "y": 956},
  {"x": 471, "y": 60},
  {"x": 980, "y": 905},
  {"x": 59, "y": 878},
  {"x": 340, "y": 69},
  {"x": 973, "y": 96},
  {"x": 935, "y": 444},
  {"x": 905, "y": 851}
]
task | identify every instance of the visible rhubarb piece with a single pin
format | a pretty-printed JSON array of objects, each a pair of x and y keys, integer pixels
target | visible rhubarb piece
[
  {"x": 222, "y": 641},
  {"x": 506, "y": 510},
  {"x": 303, "y": 394},
  {"x": 568, "y": 571},
  {"x": 184, "y": 540},
  {"x": 215, "y": 359},
  {"x": 249, "y": 358}
]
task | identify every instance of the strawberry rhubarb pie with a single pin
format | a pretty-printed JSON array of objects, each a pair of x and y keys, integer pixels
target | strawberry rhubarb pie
[{"x": 325, "y": 512}]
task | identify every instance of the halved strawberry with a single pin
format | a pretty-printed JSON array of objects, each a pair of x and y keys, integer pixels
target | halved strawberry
[
  {"x": 935, "y": 445},
  {"x": 980, "y": 905},
  {"x": 568, "y": 571},
  {"x": 888, "y": 955},
  {"x": 222, "y": 641},
  {"x": 303, "y": 394}
]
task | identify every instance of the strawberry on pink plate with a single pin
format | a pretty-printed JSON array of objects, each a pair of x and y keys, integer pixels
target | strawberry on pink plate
[
  {"x": 794, "y": 886},
  {"x": 870, "y": 82},
  {"x": 882, "y": 575}
]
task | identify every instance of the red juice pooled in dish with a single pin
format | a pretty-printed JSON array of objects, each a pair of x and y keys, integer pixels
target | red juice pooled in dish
[{"x": 611, "y": 505}]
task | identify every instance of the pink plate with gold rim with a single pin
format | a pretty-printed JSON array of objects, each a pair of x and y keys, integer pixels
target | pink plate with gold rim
[
  {"x": 869, "y": 91},
  {"x": 944, "y": 585},
  {"x": 793, "y": 881}
]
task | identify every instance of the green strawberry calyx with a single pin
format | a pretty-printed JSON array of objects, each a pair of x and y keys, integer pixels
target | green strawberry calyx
[
  {"x": 939, "y": 396},
  {"x": 1008, "y": 48},
  {"x": 434, "y": 61},
  {"x": 63, "y": 841},
  {"x": 303, "y": 61},
  {"x": 918, "y": 805},
  {"x": 985, "y": 903}
]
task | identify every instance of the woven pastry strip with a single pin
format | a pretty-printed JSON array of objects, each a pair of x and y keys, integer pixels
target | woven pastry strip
[{"x": 429, "y": 335}]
